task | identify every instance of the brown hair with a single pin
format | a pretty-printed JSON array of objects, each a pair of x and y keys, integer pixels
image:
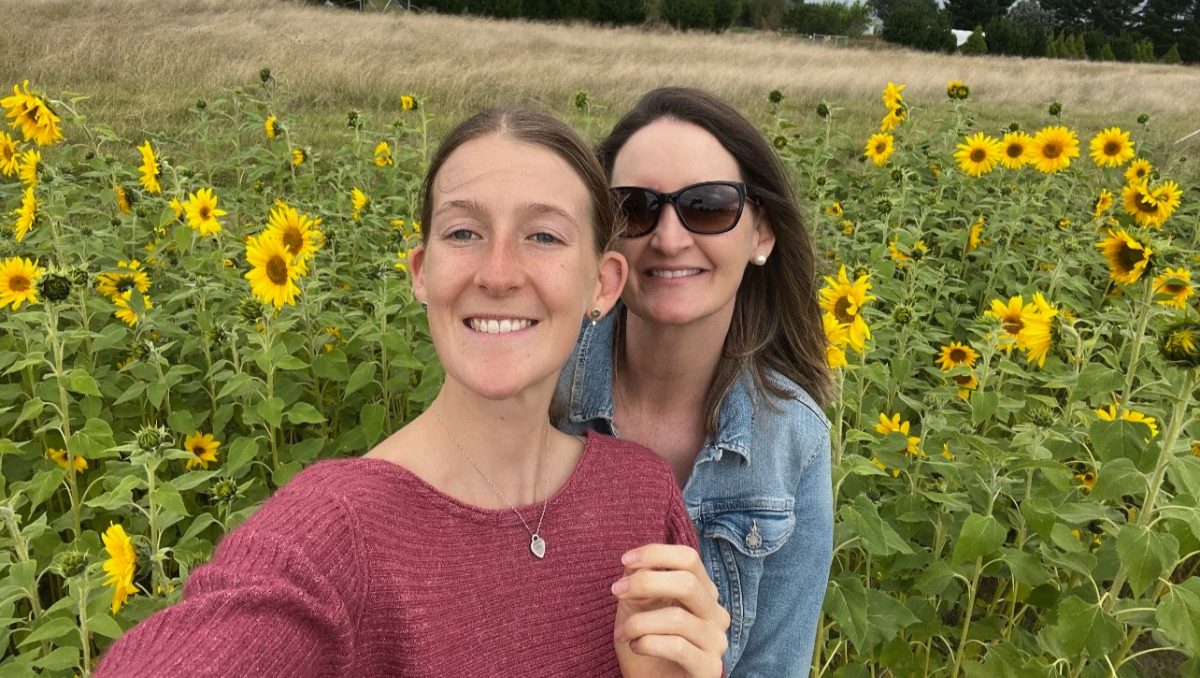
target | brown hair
[
  {"x": 776, "y": 318},
  {"x": 541, "y": 130}
]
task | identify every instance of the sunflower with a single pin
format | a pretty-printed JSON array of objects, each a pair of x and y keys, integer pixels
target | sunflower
[
  {"x": 1037, "y": 334},
  {"x": 892, "y": 120},
  {"x": 202, "y": 212},
  {"x": 957, "y": 89},
  {"x": 151, "y": 170},
  {"x": 1103, "y": 203},
  {"x": 274, "y": 272},
  {"x": 1138, "y": 200},
  {"x": 1176, "y": 285},
  {"x": 1138, "y": 170},
  {"x": 1015, "y": 151},
  {"x": 1180, "y": 344},
  {"x": 975, "y": 233},
  {"x": 837, "y": 336},
  {"x": 979, "y": 154},
  {"x": 358, "y": 201},
  {"x": 32, "y": 115},
  {"x": 892, "y": 97},
  {"x": 1127, "y": 257},
  {"x": 8, "y": 155},
  {"x": 966, "y": 384},
  {"x": 844, "y": 301},
  {"x": 26, "y": 214},
  {"x": 893, "y": 424},
  {"x": 120, "y": 565},
  {"x": 1111, "y": 148},
  {"x": 298, "y": 156},
  {"x": 408, "y": 102},
  {"x": 835, "y": 209},
  {"x": 60, "y": 458},
  {"x": 1088, "y": 480},
  {"x": 122, "y": 199},
  {"x": 880, "y": 148},
  {"x": 271, "y": 126},
  {"x": 129, "y": 275},
  {"x": 1011, "y": 315},
  {"x": 383, "y": 155},
  {"x": 298, "y": 233},
  {"x": 17, "y": 282},
  {"x": 125, "y": 312},
  {"x": 177, "y": 207},
  {"x": 27, "y": 167},
  {"x": 1168, "y": 196},
  {"x": 1053, "y": 147},
  {"x": 1111, "y": 413},
  {"x": 956, "y": 354},
  {"x": 203, "y": 448}
]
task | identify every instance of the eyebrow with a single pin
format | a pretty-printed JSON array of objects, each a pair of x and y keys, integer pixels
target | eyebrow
[{"x": 533, "y": 208}]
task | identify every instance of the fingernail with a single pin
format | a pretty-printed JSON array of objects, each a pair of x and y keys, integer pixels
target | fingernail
[
  {"x": 621, "y": 586},
  {"x": 630, "y": 558}
]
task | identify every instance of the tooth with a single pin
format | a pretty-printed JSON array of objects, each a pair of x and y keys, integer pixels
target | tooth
[
  {"x": 493, "y": 327},
  {"x": 505, "y": 326}
]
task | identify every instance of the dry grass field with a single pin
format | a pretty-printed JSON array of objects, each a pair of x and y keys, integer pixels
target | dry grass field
[{"x": 143, "y": 62}]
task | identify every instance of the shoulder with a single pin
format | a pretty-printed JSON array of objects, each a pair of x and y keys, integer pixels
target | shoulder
[
  {"x": 627, "y": 459},
  {"x": 799, "y": 407}
]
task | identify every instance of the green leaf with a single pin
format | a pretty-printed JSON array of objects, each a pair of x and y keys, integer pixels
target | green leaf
[
  {"x": 43, "y": 486},
  {"x": 31, "y": 409},
  {"x": 867, "y": 617},
  {"x": 877, "y": 536},
  {"x": 168, "y": 498},
  {"x": 980, "y": 536},
  {"x": 1116, "y": 479},
  {"x": 1039, "y": 514},
  {"x": 105, "y": 626},
  {"x": 371, "y": 419},
  {"x": 271, "y": 410},
  {"x": 1097, "y": 379},
  {"x": 241, "y": 452},
  {"x": 332, "y": 366},
  {"x": 1113, "y": 440},
  {"x": 119, "y": 497},
  {"x": 182, "y": 421},
  {"x": 1184, "y": 472},
  {"x": 59, "y": 659},
  {"x": 1082, "y": 626},
  {"x": 51, "y": 630},
  {"x": 93, "y": 441},
  {"x": 238, "y": 384},
  {"x": 1179, "y": 614},
  {"x": 202, "y": 522},
  {"x": 1146, "y": 555},
  {"x": 1025, "y": 567},
  {"x": 191, "y": 479},
  {"x": 362, "y": 375},
  {"x": 983, "y": 405},
  {"x": 291, "y": 362},
  {"x": 79, "y": 381},
  {"x": 304, "y": 413}
]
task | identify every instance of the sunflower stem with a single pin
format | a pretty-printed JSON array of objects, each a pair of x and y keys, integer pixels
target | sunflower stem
[
  {"x": 85, "y": 636},
  {"x": 64, "y": 400},
  {"x": 1143, "y": 318}
]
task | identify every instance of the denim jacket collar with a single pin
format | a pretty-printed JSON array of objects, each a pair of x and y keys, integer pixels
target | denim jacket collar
[{"x": 592, "y": 396}]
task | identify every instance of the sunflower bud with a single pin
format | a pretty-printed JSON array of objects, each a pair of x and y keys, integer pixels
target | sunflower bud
[
  {"x": 902, "y": 315},
  {"x": 1143, "y": 119},
  {"x": 54, "y": 287},
  {"x": 353, "y": 120},
  {"x": 201, "y": 104},
  {"x": 883, "y": 205},
  {"x": 861, "y": 271},
  {"x": 1055, "y": 108},
  {"x": 1043, "y": 415},
  {"x": 264, "y": 75},
  {"x": 775, "y": 97},
  {"x": 249, "y": 309},
  {"x": 581, "y": 100},
  {"x": 897, "y": 175},
  {"x": 1180, "y": 344},
  {"x": 71, "y": 564},
  {"x": 150, "y": 438},
  {"x": 823, "y": 109},
  {"x": 224, "y": 491},
  {"x": 780, "y": 142}
]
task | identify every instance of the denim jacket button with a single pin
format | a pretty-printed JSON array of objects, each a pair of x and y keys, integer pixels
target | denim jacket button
[{"x": 753, "y": 538}]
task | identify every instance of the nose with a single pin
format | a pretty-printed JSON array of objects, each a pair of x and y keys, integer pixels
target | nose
[
  {"x": 499, "y": 269},
  {"x": 670, "y": 237}
]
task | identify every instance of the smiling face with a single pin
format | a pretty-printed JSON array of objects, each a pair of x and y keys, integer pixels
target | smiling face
[
  {"x": 509, "y": 268},
  {"x": 677, "y": 277}
]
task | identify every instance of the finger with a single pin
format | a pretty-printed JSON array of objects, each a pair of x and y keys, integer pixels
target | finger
[
  {"x": 675, "y": 621},
  {"x": 677, "y": 586},
  {"x": 694, "y": 662},
  {"x": 668, "y": 557}
]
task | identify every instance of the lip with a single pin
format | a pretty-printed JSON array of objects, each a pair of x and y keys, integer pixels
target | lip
[
  {"x": 679, "y": 274},
  {"x": 498, "y": 325}
]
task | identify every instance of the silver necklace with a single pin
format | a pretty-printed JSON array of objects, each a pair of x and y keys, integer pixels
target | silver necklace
[{"x": 537, "y": 545}]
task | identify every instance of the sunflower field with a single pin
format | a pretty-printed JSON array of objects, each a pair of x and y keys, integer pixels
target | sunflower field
[{"x": 187, "y": 321}]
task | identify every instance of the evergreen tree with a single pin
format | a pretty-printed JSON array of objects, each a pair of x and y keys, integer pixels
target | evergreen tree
[
  {"x": 919, "y": 24},
  {"x": 966, "y": 14},
  {"x": 1106, "y": 53},
  {"x": 1172, "y": 56},
  {"x": 975, "y": 43}
]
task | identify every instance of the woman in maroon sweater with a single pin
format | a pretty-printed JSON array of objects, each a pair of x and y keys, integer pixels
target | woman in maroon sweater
[{"x": 477, "y": 540}]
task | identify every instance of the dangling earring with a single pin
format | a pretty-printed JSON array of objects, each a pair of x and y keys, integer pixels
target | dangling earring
[
  {"x": 595, "y": 315},
  {"x": 760, "y": 260}
]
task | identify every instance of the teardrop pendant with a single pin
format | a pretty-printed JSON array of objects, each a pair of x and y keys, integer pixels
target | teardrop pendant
[{"x": 537, "y": 546}]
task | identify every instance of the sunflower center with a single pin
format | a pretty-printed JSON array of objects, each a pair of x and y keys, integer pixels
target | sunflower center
[
  {"x": 1112, "y": 148},
  {"x": 1129, "y": 258},
  {"x": 293, "y": 240},
  {"x": 1013, "y": 324},
  {"x": 124, "y": 284},
  {"x": 18, "y": 283},
  {"x": 958, "y": 356},
  {"x": 978, "y": 155},
  {"x": 1015, "y": 151},
  {"x": 841, "y": 310},
  {"x": 1052, "y": 150},
  {"x": 205, "y": 212},
  {"x": 1140, "y": 173},
  {"x": 1175, "y": 287},
  {"x": 1148, "y": 206},
  {"x": 880, "y": 148},
  {"x": 277, "y": 270},
  {"x": 963, "y": 379}
]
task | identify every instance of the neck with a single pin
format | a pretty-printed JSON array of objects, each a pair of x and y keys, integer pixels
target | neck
[
  {"x": 669, "y": 367},
  {"x": 504, "y": 438}
]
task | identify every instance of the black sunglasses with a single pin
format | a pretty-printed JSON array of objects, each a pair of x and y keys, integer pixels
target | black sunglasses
[{"x": 707, "y": 208}]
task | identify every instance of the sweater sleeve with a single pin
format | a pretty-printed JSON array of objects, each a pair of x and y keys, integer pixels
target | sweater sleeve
[
  {"x": 679, "y": 526},
  {"x": 279, "y": 597}
]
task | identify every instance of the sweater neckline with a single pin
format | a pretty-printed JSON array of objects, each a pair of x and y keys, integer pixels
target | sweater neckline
[{"x": 470, "y": 510}]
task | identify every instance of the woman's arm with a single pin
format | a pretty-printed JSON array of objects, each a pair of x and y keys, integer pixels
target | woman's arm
[
  {"x": 278, "y": 598},
  {"x": 794, "y": 579}
]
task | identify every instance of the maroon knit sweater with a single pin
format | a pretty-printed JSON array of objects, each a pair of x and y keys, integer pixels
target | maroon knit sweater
[{"x": 359, "y": 568}]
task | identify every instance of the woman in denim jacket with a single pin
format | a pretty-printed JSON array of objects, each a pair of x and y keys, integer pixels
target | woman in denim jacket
[{"x": 716, "y": 360}]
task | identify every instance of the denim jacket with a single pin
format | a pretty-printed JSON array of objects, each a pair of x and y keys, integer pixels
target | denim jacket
[{"x": 760, "y": 497}]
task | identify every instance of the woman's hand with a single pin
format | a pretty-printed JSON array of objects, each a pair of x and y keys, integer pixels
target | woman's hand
[{"x": 669, "y": 622}]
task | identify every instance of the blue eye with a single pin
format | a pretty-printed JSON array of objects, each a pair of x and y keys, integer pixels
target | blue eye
[
  {"x": 460, "y": 235},
  {"x": 546, "y": 238}
]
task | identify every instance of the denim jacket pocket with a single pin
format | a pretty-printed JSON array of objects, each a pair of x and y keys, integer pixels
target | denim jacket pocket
[{"x": 735, "y": 538}]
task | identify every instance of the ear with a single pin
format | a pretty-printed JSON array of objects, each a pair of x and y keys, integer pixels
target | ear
[
  {"x": 610, "y": 280},
  {"x": 764, "y": 236},
  {"x": 416, "y": 269}
]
